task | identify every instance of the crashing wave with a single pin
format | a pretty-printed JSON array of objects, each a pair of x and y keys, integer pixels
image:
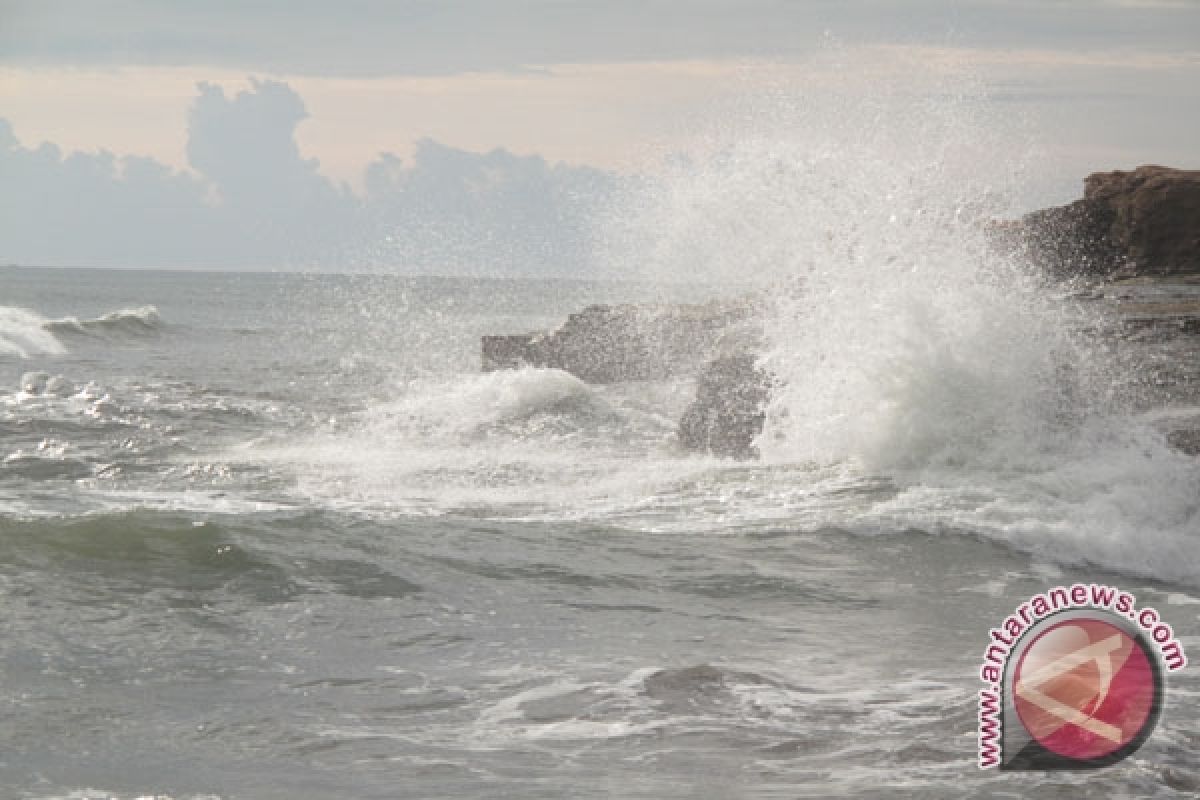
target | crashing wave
[
  {"x": 23, "y": 334},
  {"x": 142, "y": 321},
  {"x": 522, "y": 401}
]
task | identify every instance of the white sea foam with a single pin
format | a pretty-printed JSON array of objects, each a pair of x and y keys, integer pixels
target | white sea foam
[
  {"x": 23, "y": 334},
  {"x": 520, "y": 441},
  {"x": 473, "y": 405}
]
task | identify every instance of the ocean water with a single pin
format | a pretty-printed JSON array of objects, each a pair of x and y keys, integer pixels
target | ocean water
[{"x": 276, "y": 536}]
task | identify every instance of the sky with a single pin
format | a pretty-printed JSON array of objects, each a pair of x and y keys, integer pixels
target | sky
[{"x": 442, "y": 135}]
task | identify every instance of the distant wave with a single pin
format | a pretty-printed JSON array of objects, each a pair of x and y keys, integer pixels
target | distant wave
[
  {"x": 24, "y": 333},
  {"x": 143, "y": 321}
]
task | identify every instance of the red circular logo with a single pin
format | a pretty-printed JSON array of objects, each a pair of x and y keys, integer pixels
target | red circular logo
[{"x": 1084, "y": 689}]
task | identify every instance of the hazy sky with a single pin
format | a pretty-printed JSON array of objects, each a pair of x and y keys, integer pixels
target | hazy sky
[{"x": 617, "y": 85}]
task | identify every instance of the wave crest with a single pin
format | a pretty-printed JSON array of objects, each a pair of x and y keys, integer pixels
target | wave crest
[{"x": 141, "y": 321}]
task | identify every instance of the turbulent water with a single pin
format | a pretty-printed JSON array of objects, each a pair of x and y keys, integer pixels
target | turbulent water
[
  {"x": 268, "y": 536},
  {"x": 277, "y": 536}
]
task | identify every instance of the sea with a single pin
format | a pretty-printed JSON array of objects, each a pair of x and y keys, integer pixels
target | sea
[{"x": 276, "y": 535}]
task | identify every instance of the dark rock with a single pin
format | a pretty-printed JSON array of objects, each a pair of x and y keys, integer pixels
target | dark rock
[
  {"x": 608, "y": 344},
  {"x": 1155, "y": 216},
  {"x": 1185, "y": 440},
  {"x": 1071, "y": 241},
  {"x": 729, "y": 409},
  {"x": 1144, "y": 222},
  {"x": 506, "y": 351}
]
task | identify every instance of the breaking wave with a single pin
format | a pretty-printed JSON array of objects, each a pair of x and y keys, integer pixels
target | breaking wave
[
  {"x": 907, "y": 347},
  {"x": 24, "y": 333},
  {"x": 519, "y": 441},
  {"x": 514, "y": 403},
  {"x": 129, "y": 322}
]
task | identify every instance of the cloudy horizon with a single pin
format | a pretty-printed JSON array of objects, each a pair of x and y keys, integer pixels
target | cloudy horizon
[{"x": 239, "y": 136}]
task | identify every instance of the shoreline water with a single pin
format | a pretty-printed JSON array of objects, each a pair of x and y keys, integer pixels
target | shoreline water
[{"x": 281, "y": 538}]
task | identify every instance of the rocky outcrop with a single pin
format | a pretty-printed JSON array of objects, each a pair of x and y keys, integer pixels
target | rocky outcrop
[
  {"x": 607, "y": 344},
  {"x": 1144, "y": 222},
  {"x": 610, "y": 344},
  {"x": 729, "y": 409}
]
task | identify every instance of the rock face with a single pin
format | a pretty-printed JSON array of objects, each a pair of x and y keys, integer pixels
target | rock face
[
  {"x": 1144, "y": 222},
  {"x": 729, "y": 409},
  {"x": 609, "y": 344}
]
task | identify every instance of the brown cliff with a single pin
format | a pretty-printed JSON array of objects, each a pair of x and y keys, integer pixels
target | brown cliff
[{"x": 1144, "y": 222}]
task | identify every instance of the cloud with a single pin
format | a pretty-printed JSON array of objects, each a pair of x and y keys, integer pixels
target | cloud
[
  {"x": 383, "y": 37},
  {"x": 461, "y": 211},
  {"x": 254, "y": 200},
  {"x": 273, "y": 204},
  {"x": 237, "y": 185},
  {"x": 83, "y": 207},
  {"x": 246, "y": 144}
]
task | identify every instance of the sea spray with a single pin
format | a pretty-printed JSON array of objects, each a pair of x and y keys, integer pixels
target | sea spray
[
  {"x": 924, "y": 379},
  {"x": 902, "y": 338},
  {"x": 860, "y": 205},
  {"x": 905, "y": 344},
  {"x": 23, "y": 334}
]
